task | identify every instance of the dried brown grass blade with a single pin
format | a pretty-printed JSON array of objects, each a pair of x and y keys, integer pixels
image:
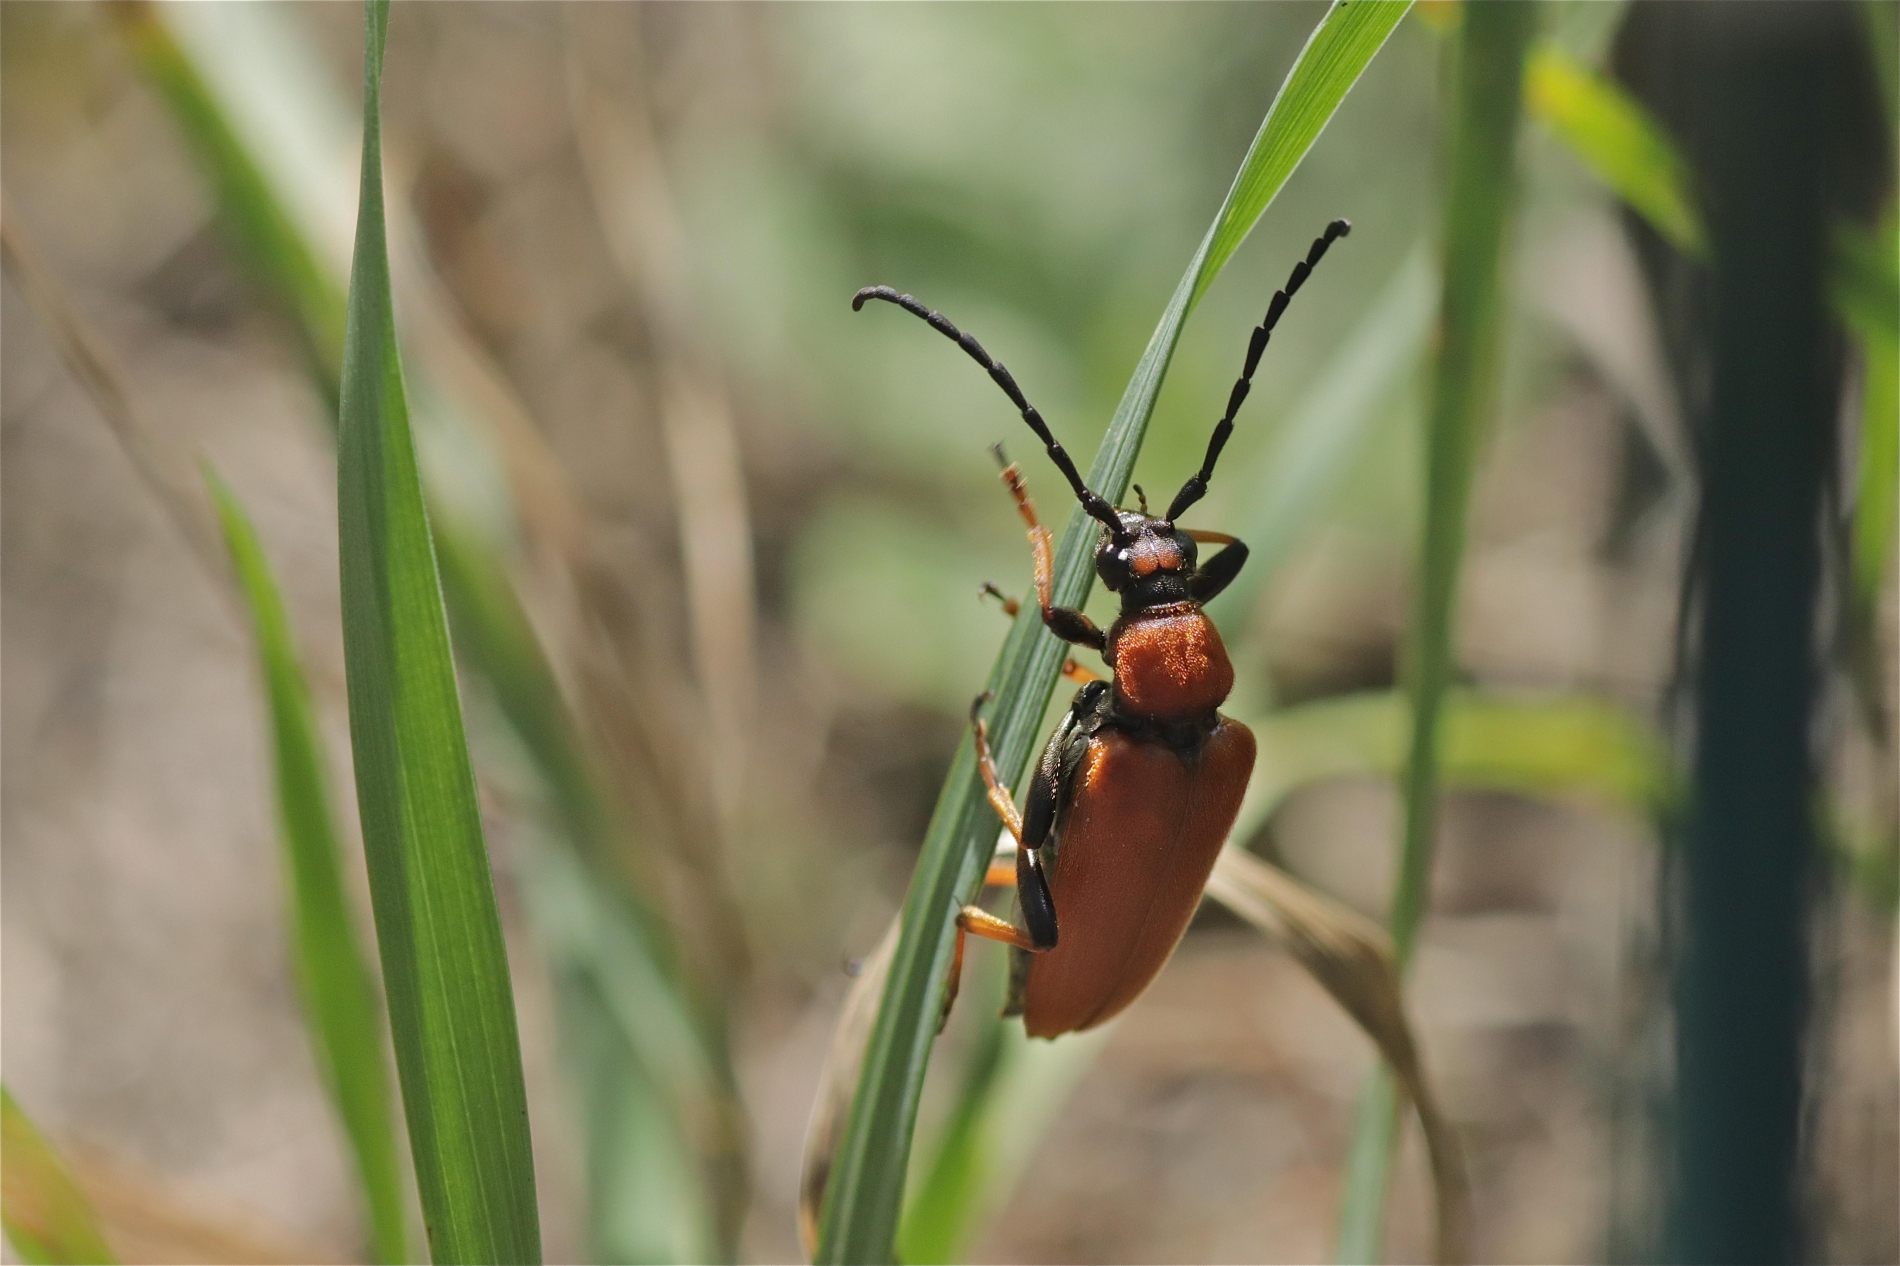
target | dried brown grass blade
[
  {"x": 1352, "y": 958},
  {"x": 838, "y": 1082}
]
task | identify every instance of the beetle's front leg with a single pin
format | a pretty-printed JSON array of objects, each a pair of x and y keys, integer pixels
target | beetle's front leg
[
  {"x": 1065, "y": 622},
  {"x": 1219, "y": 571}
]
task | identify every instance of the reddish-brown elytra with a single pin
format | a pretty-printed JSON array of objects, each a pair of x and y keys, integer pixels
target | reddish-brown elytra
[{"x": 1139, "y": 785}]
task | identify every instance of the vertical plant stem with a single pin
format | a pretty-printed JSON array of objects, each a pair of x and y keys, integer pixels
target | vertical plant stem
[
  {"x": 1485, "y": 109},
  {"x": 1766, "y": 86}
]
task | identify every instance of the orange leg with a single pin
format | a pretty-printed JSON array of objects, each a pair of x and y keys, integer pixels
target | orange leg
[
  {"x": 1206, "y": 537},
  {"x": 1039, "y": 539},
  {"x": 974, "y": 920}
]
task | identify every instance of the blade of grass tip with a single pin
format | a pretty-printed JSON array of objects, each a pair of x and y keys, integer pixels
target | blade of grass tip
[
  {"x": 48, "y": 1218},
  {"x": 1619, "y": 141},
  {"x": 445, "y": 969},
  {"x": 865, "y": 1191},
  {"x": 339, "y": 991},
  {"x": 1487, "y": 86}
]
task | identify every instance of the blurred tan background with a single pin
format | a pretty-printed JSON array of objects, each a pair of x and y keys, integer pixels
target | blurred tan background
[{"x": 796, "y": 508}]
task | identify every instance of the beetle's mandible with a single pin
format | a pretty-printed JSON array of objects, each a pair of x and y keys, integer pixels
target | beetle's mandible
[{"x": 1138, "y": 787}]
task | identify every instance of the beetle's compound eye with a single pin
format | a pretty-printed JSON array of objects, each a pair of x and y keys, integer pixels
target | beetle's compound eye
[
  {"x": 1190, "y": 552},
  {"x": 1112, "y": 564}
]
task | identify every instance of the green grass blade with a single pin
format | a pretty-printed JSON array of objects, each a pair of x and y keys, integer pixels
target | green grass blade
[
  {"x": 1488, "y": 85},
  {"x": 1866, "y": 292},
  {"x": 865, "y": 1188},
  {"x": 445, "y": 970},
  {"x": 999, "y": 1121},
  {"x": 262, "y": 132},
  {"x": 1568, "y": 745},
  {"x": 47, "y": 1217},
  {"x": 273, "y": 243},
  {"x": 338, "y": 988},
  {"x": 1337, "y": 51},
  {"x": 1619, "y": 142}
]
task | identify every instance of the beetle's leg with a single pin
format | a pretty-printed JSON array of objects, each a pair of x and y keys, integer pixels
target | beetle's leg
[
  {"x": 1010, "y": 605},
  {"x": 1217, "y": 572},
  {"x": 1065, "y": 622},
  {"x": 1079, "y": 674},
  {"x": 1206, "y": 537},
  {"x": 1071, "y": 669},
  {"x": 1032, "y": 886}
]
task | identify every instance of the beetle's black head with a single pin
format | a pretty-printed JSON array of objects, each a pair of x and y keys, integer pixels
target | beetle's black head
[{"x": 1150, "y": 567}]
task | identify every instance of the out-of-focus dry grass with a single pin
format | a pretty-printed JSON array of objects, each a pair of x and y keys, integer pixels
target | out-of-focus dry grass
[{"x": 147, "y": 1002}]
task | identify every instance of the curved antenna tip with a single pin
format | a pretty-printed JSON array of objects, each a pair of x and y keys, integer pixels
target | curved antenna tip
[
  {"x": 1339, "y": 228},
  {"x": 869, "y": 292}
]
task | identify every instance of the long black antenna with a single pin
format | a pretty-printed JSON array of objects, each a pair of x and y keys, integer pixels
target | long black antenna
[
  {"x": 1196, "y": 488},
  {"x": 1095, "y": 505}
]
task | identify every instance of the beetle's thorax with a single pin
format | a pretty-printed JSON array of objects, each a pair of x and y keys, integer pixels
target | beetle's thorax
[{"x": 1169, "y": 663}]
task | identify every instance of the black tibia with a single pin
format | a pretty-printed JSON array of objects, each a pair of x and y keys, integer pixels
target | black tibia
[
  {"x": 1217, "y": 572},
  {"x": 1096, "y": 506},
  {"x": 1032, "y": 893},
  {"x": 1196, "y": 488}
]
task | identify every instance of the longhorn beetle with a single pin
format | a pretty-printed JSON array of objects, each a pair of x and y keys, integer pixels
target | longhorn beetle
[{"x": 1139, "y": 785}]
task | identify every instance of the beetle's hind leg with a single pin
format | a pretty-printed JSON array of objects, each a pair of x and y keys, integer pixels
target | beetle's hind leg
[{"x": 1032, "y": 886}]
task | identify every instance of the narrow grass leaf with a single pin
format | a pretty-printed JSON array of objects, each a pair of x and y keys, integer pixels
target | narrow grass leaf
[
  {"x": 263, "y": 135},
  {"x": 1549, "y": 747},
  {"x": 1865, "y": 277},
  {"x": 1487, "y": 86},
  {"x": 273, "y": 243},
  {"x": 1619, "y": 142},
  {"x": 339, "y": 991},
  {"x": 48, "y": 1218},
  {"x": 865, "y": 1192},
  {"x": 1336, "y": 53},
  {"x": 445, "y": 969},
  {"x": 1015, "y": 1090}
]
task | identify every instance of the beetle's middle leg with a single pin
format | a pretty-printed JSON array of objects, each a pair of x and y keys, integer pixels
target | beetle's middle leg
[{"x": 1032, "y": 886}]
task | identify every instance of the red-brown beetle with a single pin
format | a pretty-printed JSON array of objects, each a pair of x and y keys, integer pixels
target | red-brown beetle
[{"x": 1139, "y": 785}]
